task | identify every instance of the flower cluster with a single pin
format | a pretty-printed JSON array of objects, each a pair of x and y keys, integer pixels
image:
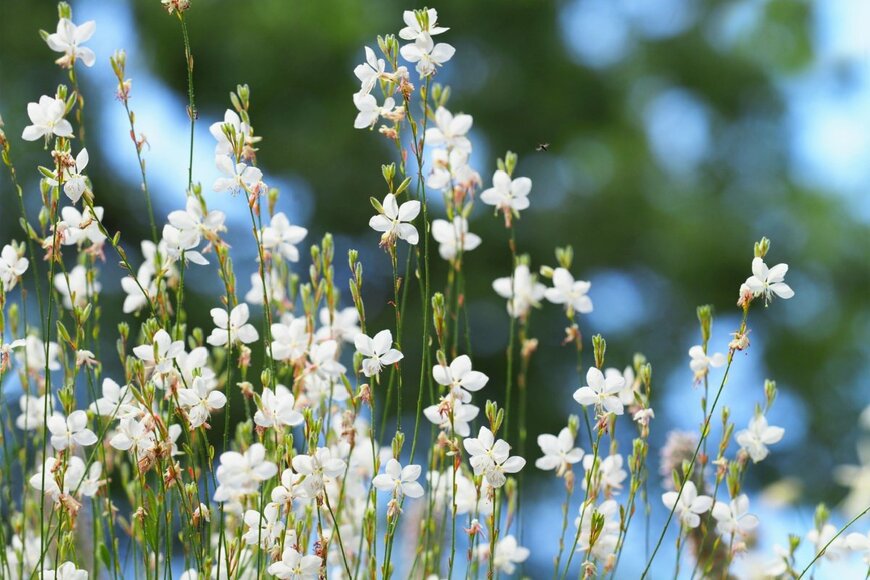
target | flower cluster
[{"x": 273, "y": 439}]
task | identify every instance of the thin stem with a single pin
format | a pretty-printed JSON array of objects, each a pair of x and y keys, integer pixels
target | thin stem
[
  {"x": 697, "y": 449},
  {"x": 831, "y": 541}
]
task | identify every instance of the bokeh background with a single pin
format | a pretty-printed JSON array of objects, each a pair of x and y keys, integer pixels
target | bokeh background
[{"x": 680, "y": 132}]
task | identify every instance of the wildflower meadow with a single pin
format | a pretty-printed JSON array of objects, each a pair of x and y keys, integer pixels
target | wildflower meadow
[{"x": 271, "y": 426}]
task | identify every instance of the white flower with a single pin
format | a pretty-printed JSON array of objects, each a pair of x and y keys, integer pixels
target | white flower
[
  {"x": 608, "y": 475},
  {"x": 290, "y": 341},
  {"x": 116, "y": 402},
  {"x": 241, "y": 474},
  {"x": 836, "y": 549},
  {"x": 237, "y": 176},
  {"x": 690, "y": 504},
  {"x": 234, "y": 327},
  {"x": 160, "y": 353},
  {"x": 181, "y": 243},
  {"x": 344, "y": 326},
  {"x": 559, "y": 452},
  {"x": 414, "y": 29},
  {"x": 82, "y": 226},
  {"x": 701, "y": 363},
  {"x": 454, "y": 237},
  {"x": 240, "y": 128},
  {"x": 12, "y": 267},
  {"x": 450, "y": 130},
  {"x": 68, "y": 39},
  {"x": 322, "y": 360},
  {"x": 378, "y": 352},
  {"x": 757, "y": 437},
  {"x": 133, "y": 434},
  {"x": 84, "y": 482},
  {"x": 315, "y": 468},
  {"x": 601, "y": 392},
  {"x": 273, "y": 283},
  {"x": 858, "y": 542},
  {"x": 277, "y": 408},
  {"x": 605, "y": 543},
  {"x": 74, "y": 287},
  {"x": 368, "y": 73},
  {"x": 47, "y": 118},
  {"x": 463, "y": 415},
  {"x": 460, "y": 378},
  {"x": 427, "y": 54},
  {"x": 199, "y": 401},
  {"x": 491, "y": 458},
  {"x": 506, "y": 195},
  {"x": 766, "y": 282},
  {"x": 295, "y": 566},
  {"x": 76, "y": 183},
  {"x": 6, "y": 352},
  {"x": 626, "y": 394},
  {"x": 522, "y": 292},
  {"x": 369, "y": 111},
  {"x": 507, "y": 554},
  {"x": 733, "y": 518},
  {"x": 400, "y": 480},
  {"x": 395, "y": 221},
  {"x": 451, "y": 171},
  {"x": 644, "y": 416},
  {"x": 279, "y": 235},
  {"x": 71, "y": 431},
  {"x": 192, "y": 222},
  {"x": 264, "y": 530},
  {"x": 33, "y": 412},
  {"x": 34, "y": 355},
  {"x": 568, "y": 292},
  {"x": 133, "y": 287},
  {"x": 66, "y": 571}
]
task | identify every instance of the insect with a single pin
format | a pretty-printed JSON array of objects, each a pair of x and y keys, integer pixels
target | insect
[{"x": 542, "y": 147}]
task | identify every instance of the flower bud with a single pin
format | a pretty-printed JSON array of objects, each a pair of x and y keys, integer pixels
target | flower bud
[
  {"x": 599, "y": 346},
  {"x": 761, "y": 247}
]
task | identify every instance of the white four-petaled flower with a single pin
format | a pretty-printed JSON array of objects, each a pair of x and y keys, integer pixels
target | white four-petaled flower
[
  {"x": 47, "y": 119},
  {"x": 70, "y": 431},
  {"x": 234, "y": 327},
  {"x": 573, "y": 294},
  {"x": 523, "y": 291},
  {"x": 400, "y": 480},
  {"x": 282, "y": 237},
  {"x": 12, "y": 267},
  {"x": 755, "y": 439},
  {"x": 161, "y": 352},
  {"x": 701, "y": 362},
  {"x": 459, "y": 376},
  {"x": 277, "y": 408},
  {"x": 426, "y": 54},
  {"x": 601, "y": 391},
  {"x": 68, "y": 40},
  {"x": 690, "y": 504},
  {"x": 507, "y": 195},
  {"x": 453, "y": 237},
  {"x": 734, "y": 517},
  {"x": 767, "y": 282},
  {"x": 378, "y": 352},
  {"x": 559, "y": 452},
  {"x": 395, "y": 221}
]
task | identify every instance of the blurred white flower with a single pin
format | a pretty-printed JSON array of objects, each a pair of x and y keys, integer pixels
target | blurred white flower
[
  {"x": 757, "y": 437},
  {"x": 68, "y": 39},
  {"x": 689, "y": 506}
]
